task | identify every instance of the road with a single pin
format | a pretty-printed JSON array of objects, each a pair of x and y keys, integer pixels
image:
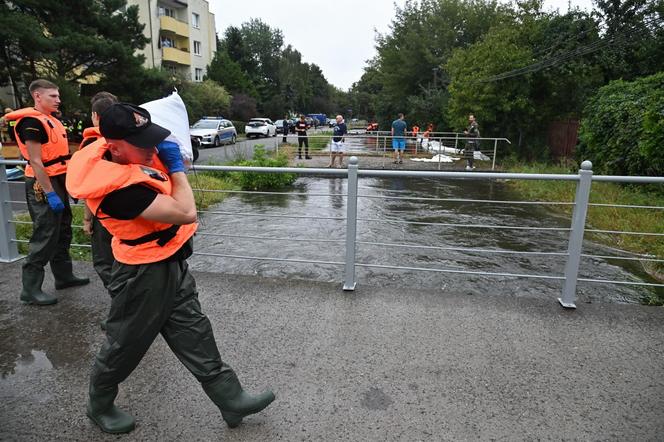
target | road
[{"x": 241, "y": 149}]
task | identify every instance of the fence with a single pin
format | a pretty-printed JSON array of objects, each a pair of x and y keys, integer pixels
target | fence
[
  {"x": 450, "y": 144},
  {"x": 576, "y": 230}
]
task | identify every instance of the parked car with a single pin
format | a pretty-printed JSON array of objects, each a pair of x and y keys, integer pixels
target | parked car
[
  {"x": 213, "y": 131},
  {"x": 260, "y": 127},
  {"x": 280, "y": 126},
  {"x": 331, "y": 122}
]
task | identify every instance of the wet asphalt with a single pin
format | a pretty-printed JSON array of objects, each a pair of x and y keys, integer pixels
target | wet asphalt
[{"x": 380, "y": 363}]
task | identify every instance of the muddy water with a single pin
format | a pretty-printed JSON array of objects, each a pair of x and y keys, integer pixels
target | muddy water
[{"x": 378, "y": 224}]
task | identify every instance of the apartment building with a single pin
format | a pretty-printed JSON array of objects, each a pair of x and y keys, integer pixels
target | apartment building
[{"x": 182, "y": 35}]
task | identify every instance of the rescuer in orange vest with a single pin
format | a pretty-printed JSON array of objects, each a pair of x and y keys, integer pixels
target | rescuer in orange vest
[
  {"x": 102, "y": 255},
  {"x": 42, "y": 140},
  {"x": 147, "y": 205}
]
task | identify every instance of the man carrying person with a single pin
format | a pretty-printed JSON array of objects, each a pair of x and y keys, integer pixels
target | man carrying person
[
  {"x": 42, "y": 140},
  {"x": 147, "y": 205}
]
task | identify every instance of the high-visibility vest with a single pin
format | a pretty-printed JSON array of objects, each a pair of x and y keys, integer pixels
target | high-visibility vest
[
  {"x": 90, "y": 134},
  {"x": 55, "y": 152},
  {"x": 135, "y": 241}
]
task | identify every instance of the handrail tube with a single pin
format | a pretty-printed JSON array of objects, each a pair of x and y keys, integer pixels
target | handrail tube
[
  {"x": 465, "y": 272},
  {"x": 306, "y": 261},
  {"x": 265, "y": 215},
  {"x": 461, "y": 249},
  {"x": 268, "y": 238},
  {"x": 464, "y": 200},
  {"x": 477, "y": 226}
]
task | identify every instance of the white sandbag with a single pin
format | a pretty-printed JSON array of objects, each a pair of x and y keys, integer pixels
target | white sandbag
[
  {"x": 439, "y": 158},
  {"x": 171, "y": 113}
]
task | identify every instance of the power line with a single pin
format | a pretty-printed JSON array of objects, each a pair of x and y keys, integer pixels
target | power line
[{"x": 619, "y": 37}]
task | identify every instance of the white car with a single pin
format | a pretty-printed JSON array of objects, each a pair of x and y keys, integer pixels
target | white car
[
  {"x": 211, "y": 131},
  {"x": 260, "y": 127}
]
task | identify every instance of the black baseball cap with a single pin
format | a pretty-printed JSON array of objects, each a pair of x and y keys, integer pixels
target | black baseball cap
[{"x": 124, "y": 121}]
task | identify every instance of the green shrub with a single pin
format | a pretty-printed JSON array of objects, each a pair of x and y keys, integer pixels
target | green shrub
[
  {"x": 263, "y": 181},
  {"x": 239, "y": 126},
  {"x": 622, "y": 132}
]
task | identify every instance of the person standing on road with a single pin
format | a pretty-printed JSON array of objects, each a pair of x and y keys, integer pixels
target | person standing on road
[
  {"x": 398, "y": 133},
  {"x": 42, "y": 140},
  {"x": 472, "y": 131},
  {"x": 102, "y": 255},
  {"x": 4, "y": 127},
  {"x": 148, "y": 206},
  {"x": 285, "y": 126},
  {"x": 302, "y": 139},
  {"x": 337, "y": 146}
]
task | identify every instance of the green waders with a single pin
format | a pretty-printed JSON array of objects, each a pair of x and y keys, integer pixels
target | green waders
[
  {"x": 49, "y": 243},
  {"x": 161, "y": 298}
]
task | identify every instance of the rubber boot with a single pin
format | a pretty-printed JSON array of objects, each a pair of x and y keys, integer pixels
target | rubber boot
[
  {"x": 234, "y": 403},
  {"x": 64, "y": 276},
  {"x": 106, "y": 415},
  {"x": 32, "y": 292}
]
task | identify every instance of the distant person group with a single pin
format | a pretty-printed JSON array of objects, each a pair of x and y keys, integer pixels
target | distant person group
[{"x": 141, "y": 213}]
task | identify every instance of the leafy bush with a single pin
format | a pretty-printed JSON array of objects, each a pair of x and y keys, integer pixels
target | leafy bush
[
  {"x": 239, "y": 126},
  {"x": 622, "y": 132},
  {"x": 263, "y": 181}
]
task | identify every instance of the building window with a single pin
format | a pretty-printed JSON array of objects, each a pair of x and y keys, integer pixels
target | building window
[
  {"x": 168, "y": 12},
  {"x": 198, "y": 74},
  {"x": 167, "y": 42},
  {"x": 195, "y": 20},
  {"x": 197, "y": 47}
]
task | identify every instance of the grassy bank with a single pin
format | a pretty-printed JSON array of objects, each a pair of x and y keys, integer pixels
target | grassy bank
[{"x": 605, "y": 218}]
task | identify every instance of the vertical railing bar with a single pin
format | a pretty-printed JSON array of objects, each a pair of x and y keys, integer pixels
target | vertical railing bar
[
  {"x": 351, "y": 224},
  {"x": 8, "y": 249},
  {"x": 495, "y": 148},
  {"x": 575, "y": 244}
]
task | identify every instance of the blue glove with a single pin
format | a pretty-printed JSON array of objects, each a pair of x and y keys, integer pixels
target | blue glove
[
  {"x": 169, "y": 154},
  {"x": 55, "y": 202}
]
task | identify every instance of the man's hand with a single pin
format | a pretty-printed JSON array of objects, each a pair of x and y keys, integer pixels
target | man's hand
[
  {"x": 55, "y": 202},
  {"x": 87, "y": 226},
  {"x": 169, "y": 154}
]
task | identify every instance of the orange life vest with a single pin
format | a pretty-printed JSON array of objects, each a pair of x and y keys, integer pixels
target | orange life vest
[
  {"x": 90, "y": 134},
  {"x": 55, "y": 152},
  {"x": 416, "y": 129},
  {"x": 135, "y": 241}
]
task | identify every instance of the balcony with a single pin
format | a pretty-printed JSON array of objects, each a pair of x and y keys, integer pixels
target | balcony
[
  {"x": 175, "y": 55},
  {"x": 177, "y": 27}
]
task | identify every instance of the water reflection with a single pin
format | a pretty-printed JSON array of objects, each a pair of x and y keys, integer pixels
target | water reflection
[{"x": 379, "y": 223}]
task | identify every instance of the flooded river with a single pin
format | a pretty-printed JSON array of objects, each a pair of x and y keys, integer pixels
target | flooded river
[{"x": 323, "y": 239}]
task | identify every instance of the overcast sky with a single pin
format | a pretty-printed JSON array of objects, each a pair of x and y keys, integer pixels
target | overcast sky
[{"x": 337, "y": 35}]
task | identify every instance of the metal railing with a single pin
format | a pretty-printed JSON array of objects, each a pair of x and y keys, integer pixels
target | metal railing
[
  {"x": 573, "y": 254},
  {"x": 449, "y": 144}
]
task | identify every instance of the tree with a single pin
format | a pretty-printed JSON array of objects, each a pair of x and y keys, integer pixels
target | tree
[
  {"x": 68, "y": 41},
  {"x": 229, "y": 74},
  {"x": 206, "y": 98},
  {"x": 622, "y": 132}
]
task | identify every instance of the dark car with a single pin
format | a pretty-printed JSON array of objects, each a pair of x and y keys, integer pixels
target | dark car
[
  {"x": 195, "y": 145},
  {"x": 280, "y": 126}
]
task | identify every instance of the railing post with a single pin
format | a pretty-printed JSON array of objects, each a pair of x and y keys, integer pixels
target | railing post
[
  {"x": 495, "y": 148},
  {"x": 456, "y": 143},
  {"x": 575, "y": 243},
  {"x": 351, "y": 224},
  {"x": 8, "y": 249}
]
